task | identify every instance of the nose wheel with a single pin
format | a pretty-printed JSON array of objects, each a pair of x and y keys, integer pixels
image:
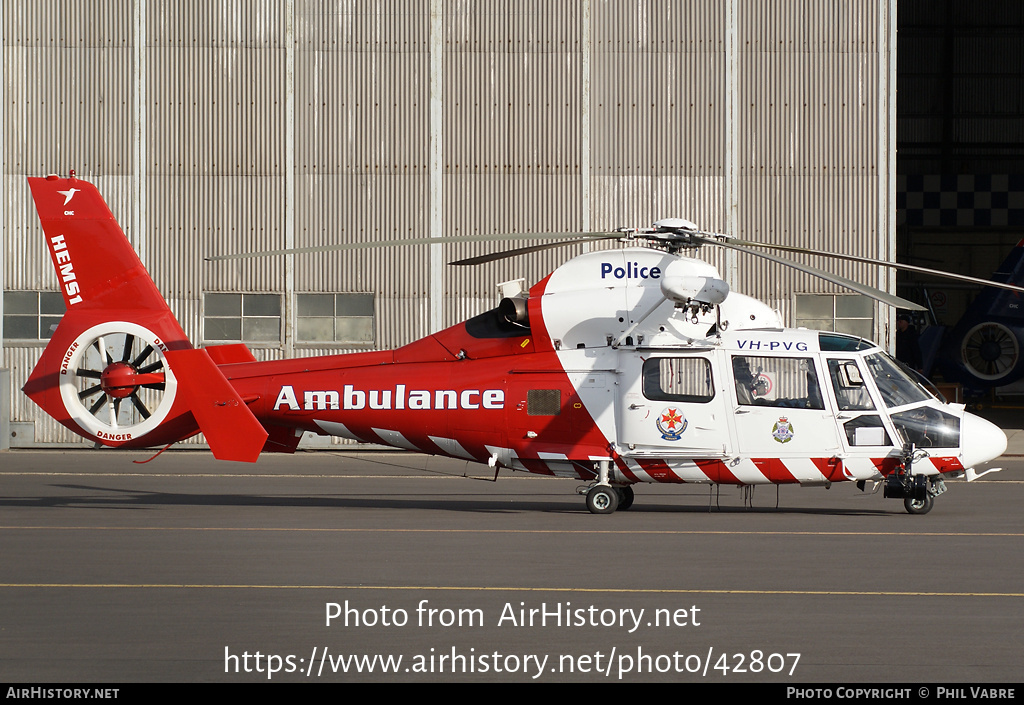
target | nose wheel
[{"x": 919, "y": 506}]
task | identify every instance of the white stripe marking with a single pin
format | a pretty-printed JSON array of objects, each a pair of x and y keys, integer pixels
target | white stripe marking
[
  {"x": 746, "y": 472},
  {"x": 860, "y": 469},
  {"x": 451, "y": 447},
  {"x": 804, "y": 470},
  {"x": 394, "y": 438},
  {"x": 338, "y": 429}
]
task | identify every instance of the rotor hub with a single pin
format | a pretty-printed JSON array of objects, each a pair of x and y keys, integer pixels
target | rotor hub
[
  {"x": 990, "y": 350},
  {"x": 119, "y": 379}
]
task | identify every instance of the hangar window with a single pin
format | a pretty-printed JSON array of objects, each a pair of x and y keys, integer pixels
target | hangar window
[
  {"x": 838, "y": 313},
  {"x": 31, "y": 315},
  {"x": 335, "y": 318},
  {"x": 242, "y": 318}
]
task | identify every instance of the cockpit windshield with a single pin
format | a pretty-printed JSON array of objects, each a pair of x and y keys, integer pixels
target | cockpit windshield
[{"x": 896, "y": 386}]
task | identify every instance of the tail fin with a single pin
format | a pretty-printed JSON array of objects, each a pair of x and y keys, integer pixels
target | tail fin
[
  {"x": 1001, "y": 304},
  {"x": 106, "y": 373},
  {"x": 985, "y": 347}
]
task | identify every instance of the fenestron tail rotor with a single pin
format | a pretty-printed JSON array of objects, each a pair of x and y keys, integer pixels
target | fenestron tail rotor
[
  {"x": 990, "y": 351},
  {"x": 118, "y": 385}
]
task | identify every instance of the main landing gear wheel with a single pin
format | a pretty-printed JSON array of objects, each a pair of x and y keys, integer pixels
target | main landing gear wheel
[
  {"x": 602, "y": 499},
  {"x": 118, "y": 385},
  {"x": 919, "y": 506},
  {"x": 625, "y": 493}
]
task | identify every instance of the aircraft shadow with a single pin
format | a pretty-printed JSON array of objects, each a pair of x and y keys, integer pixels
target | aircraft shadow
[{"x": 128, "y": 499}]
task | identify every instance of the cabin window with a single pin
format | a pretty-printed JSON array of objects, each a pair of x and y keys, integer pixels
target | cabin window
[
  {"x": 543, "y": 402},
  {"x": 682, "y": 379},
  {"x": 788, "y": 382},
  {"x": 335, "y": 318},
  {"x": 242, "y": 318},
  {"x": 838, "y": 313},
  {"x": 32, "y": 315}
]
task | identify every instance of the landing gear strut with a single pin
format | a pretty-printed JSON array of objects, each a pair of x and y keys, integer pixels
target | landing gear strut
[
  {"x": 604, "y": 498},
  {"x": 918, "y": 492}
]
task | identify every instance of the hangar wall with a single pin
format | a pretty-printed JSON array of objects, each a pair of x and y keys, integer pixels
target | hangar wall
[
  {"x": 960, "y": 183},
  {"x": 243, "y": 125}
]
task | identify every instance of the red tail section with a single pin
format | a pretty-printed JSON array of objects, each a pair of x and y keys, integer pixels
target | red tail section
[{"x": 106, "y": 373}]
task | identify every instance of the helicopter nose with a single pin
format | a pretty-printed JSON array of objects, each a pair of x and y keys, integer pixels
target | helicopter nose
[{"x": 981, "y": 440}]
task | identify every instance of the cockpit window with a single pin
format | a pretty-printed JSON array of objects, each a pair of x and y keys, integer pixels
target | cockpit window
[
  {"x": 926, "y": 427},
  {"x": 789, "y": 382},
  {"x": 685, "y": 379},
  {"x": 895, "y": 386}
]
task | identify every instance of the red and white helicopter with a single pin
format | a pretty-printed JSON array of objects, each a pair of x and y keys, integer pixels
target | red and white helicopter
[{"x": 667, "y": 377}]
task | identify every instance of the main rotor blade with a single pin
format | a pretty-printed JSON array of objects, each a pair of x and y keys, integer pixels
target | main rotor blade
[
  {"x": 494, "y": 256},
  {"x": 876, "y": 294},
  {"x": 882, "y": 263},
  {"x": 497, "y": 237}
]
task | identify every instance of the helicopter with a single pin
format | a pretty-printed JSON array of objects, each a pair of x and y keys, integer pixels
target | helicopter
[{"x": 622, "y": 366}]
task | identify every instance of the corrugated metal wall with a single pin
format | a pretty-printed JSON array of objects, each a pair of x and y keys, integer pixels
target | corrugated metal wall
[
  {"x": 808, "y": 139},
  {"x": 254, "y": 130}
]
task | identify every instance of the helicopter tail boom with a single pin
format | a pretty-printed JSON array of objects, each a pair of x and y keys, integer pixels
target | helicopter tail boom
[{"x": 119, "y": 369}]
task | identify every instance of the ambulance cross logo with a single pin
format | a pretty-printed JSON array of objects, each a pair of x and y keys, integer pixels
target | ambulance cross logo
[
  {"x": 671, "y": 423},
  {"x": 782, "y": 431}
]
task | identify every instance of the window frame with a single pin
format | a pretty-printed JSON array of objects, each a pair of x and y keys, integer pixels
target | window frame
[
  {"x": 38, "y": 316},
  {"x": 370, "y": 304},
  {"x": 651, "y": 376},
  {"x": 813, "y": 322},
  {"x": 242, "y": 317}
]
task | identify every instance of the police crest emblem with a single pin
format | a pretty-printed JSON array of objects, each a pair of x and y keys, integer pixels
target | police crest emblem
[{"x": 782, "y": 431}]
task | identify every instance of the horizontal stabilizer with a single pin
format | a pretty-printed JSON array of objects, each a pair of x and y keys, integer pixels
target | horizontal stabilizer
[
  {"x": 230, "y": 354},
  {"x": 227, "y": 423}
]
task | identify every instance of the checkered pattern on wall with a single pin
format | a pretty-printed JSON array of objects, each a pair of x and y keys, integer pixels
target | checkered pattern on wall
[{"x": 951, "y": 200}]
